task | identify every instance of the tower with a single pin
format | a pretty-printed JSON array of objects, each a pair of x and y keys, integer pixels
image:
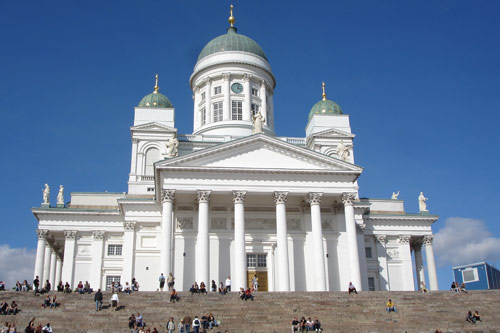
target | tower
[{"x": 231, "y": 82}]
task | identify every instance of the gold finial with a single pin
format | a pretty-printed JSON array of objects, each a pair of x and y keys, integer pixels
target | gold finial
[
  {"x": 156, "y": 84},
  {"x": 231, "y": 18},
  {"x": 324, "y": 94}
]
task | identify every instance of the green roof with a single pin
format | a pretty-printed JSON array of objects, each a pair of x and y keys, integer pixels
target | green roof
[
  {"x": 155, "y": 100},
  {"x": 232, "y": 41},
  {"x": 325, "y": 107}
]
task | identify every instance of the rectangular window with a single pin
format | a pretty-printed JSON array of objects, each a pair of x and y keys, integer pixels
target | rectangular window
[
  {"x": 470, "y": 275},
  {"x": 217, "y": 90},
  {"x": 255, "y": 108},
  {"x": 368, "y": 252},
  {"x": 151, "y": 189},
  {"x": 261, "y": 260},
  {"x": 202, "y": 96},
  {"x": 255, "y": 92},
  {"x": 371, "y": 284},
  {"x": 236, "y": 110},
  {"x": 218, "y": 111},
  {"x": 203, "y": 116},
  {"x": 251, "y": 260},
  {"x": 110, "y": 279},
  {"x": 115, "y": 250}
]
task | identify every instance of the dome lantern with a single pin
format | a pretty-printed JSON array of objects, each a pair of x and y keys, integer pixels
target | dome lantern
[
  {"x": 325, "y": 106},
  {"x": 155, "y": 99}
]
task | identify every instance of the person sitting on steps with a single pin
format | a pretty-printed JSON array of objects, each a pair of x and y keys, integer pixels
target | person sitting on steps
[
  {"x": 470, "y": 318},
  {"x": 248, "y": 294},
  {"x": 462, "y": 288},
  {"x": 242, "y": 293},
  {"x": 476, "y": 316},
  {"x": 352, "y": 289},
  {"x": 222, "y": 289},
  {"x": 295, "y": 324},
  {"x": 391, "y": 307},
  {"x": 203, "y": 288},
  {"x": 173, "y": 296},
  {"x": 423, "y": 288}
]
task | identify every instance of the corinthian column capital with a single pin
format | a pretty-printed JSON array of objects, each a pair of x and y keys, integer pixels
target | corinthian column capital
[
  {"x": 239, "y": 196},
  {"x": 428, "y": 239},
  {"x": 314, "y": 198},
  {"x": 42, "y": 234},
  {"x": 280, "y": 197},
  {"x": 348, "y": 198},
  {"x": 167, "y": 195},
  {"x": 203, "y": 195}
]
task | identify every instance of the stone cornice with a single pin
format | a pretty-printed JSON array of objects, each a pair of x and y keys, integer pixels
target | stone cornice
[
  {"x": 416, "y": 217},
  {"x": 272, "y": 144}
]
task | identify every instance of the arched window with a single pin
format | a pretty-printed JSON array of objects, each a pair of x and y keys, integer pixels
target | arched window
[{"x": 152, "y": 155}]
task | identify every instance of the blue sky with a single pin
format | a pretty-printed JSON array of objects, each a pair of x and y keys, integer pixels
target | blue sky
[{"x": 419, "y": 79}]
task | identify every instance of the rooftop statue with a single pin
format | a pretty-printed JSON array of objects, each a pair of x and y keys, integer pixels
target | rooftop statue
[
  {"x": 421, "y": 202},
  {"x": 343, "y": 151},
  {"x": 395, "y": 195},
  {"x": 172, "y": 147},
  {"x": 258, "y": 122},
  {"x": 46, "y": 194},
  {"x": 60, "y": 195}
]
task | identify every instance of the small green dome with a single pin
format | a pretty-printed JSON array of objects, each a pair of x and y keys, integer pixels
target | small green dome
[
  {"x": 325, "y": 107},
  {"x": 232, "y": 41},
  {"x": 155, "y": 100}
]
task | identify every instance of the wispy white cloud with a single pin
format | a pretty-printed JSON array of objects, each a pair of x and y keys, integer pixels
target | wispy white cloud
[
  {"x": 16, "y": 264},
  {"x": 465, "y": 241}
]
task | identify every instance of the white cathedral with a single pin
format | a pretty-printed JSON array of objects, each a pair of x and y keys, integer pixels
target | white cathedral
[{"x": 233, "y": 199}]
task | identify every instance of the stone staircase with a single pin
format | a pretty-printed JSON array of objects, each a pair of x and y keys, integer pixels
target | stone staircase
[{"x": 269, "y": 312}]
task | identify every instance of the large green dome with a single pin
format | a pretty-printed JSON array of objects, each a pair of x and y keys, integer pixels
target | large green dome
[
  {"x": 155, "y": 100},
  {"x": 232, "y": 41},
  {"x": 325, "y": 107}
]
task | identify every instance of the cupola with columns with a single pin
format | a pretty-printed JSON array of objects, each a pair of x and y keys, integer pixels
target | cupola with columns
[{"x": 231, "y": 82}]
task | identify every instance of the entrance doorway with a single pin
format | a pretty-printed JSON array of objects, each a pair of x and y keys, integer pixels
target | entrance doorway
[
  {"x": 257, "y": 266},
  {"x": 261, "y": 279}
]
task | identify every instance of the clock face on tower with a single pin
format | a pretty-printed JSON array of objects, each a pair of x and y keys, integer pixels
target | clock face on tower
[{"x": 237, "y": 88}]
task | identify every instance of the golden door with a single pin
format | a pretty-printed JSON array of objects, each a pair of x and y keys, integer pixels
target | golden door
[{"x": 262, "y": 279}]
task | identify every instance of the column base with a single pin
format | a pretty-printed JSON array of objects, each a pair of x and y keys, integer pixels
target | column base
[
  {"x": 45, "y": 205},
  {"x": 60, "y": 206}
]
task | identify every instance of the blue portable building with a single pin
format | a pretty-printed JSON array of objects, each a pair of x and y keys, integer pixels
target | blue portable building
[{"x": 477, "y": 276}]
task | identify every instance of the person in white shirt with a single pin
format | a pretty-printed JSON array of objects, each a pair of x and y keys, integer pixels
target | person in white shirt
[
  {"x": 47, "y": 328},
  {"x": 196, "y": 324},
  {"x": 228, "y": 284},
  {"x": 114, "y": 301}
]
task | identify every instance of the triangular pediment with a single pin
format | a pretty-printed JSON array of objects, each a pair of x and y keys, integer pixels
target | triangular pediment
[
  {"x": 152, "y": 127},
  {"x": 260, "y": 152},
  {"x": 333, "y": 133}
]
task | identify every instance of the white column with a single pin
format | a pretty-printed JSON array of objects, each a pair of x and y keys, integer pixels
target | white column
[
  {"x": 431, "y": 265},
  {"x": 384, "y": 282},
  {"x": 196, "y": 101},
  {"x": 405, "y": 255},
  {"x": 58, "y": 271},
  {"x": 40, "y": 253},
  {"x": 128, "y": 251},
  {"x": 97, "y": 255},
  {"x": 202, "y": 249},
  {"x": 263, "y": 98},
  {"x": 208, "y": 103},
  {"x": 248, "y": 98},
  {"x": 167, "y": 199},
  {"x": 271, "y": 273},
  {"x": 314, "y": 199},
  {"x": 52, "y": 276},
  {"x": 226, "y": 90},
  {"x": 46, "y": 264},
  {"x": 69, "y": 257},
  {"x": 240, "y": 280},
  {"x": 282, "y": 241},
  {"x": 360, "y": 233},
  {"x": 133, "y": 161},
  {"x": 352, "y": 241},
  {"x": 419, "y": 265}
]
